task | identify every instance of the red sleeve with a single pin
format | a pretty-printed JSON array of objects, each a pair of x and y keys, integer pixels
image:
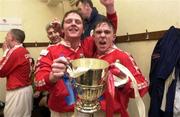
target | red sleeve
[
  {"x": 142, "y": 83},
  {"x": 88, "y": 46},
  {"x": 113, "y": 17},
  {"x": 7, "y": 64},
  {"x": 43, "y": 69}
]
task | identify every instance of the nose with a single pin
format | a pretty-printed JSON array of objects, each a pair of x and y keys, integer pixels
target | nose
[
  {"x": 73, "y": 22},
  {"x": 53, "y": 34},
  {"x": 102, "y": 34}
]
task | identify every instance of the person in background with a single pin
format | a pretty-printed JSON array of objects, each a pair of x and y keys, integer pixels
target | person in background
[
  {"x": 91, "y": 15},
  {"x": 104, "y": 36},
  {"x": 40, "y": 107},
  {"x": 53, "y": 34},
  {"x": 16, "y": 67}
]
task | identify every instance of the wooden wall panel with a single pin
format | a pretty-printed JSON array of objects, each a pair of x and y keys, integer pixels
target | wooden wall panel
[{"x": 148, "y": 36}]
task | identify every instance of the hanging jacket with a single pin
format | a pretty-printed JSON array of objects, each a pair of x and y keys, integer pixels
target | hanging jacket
[{"x": 164, "y": 59}]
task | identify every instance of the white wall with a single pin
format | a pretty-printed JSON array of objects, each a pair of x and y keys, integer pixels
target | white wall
[
  {"x": 34, "y": 15},
  {"x": 135, "y": 16}
]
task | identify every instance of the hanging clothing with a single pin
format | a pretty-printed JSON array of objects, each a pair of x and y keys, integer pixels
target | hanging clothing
[{"x": 165, "y": 58}]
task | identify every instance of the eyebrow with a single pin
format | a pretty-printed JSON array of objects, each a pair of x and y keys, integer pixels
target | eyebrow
[{"x": 105, "y": 31}]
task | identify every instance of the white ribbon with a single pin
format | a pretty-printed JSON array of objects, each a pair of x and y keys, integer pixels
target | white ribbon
[{"x": 138, "y": 99}]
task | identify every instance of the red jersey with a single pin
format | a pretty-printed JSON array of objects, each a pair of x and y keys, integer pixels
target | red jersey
[
  {"x": 113, "y": 19},
  {"x": 58, "y": 90},
  {"x": 16, "y": 66},
  {"x": 123, "y": 94}
]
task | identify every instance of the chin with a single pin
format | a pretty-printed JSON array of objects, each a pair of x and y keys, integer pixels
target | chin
[
  {"x": 102, "y": 50},
  {"x": 74, "y": 36}
]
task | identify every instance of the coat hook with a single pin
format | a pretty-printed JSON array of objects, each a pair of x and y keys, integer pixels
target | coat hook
[
  {"x": 128, "y": 38},
  {"x": 49, "y": 43},
  {"x": 147, "y": 34},
  {"x": 36, "y": 45}
]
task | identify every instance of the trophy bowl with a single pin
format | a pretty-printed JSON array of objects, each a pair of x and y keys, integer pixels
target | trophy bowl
[{"x": 90, "y": 85}]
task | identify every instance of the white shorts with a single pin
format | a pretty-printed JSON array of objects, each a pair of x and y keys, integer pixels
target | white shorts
[{"x": 18, "y": 102}]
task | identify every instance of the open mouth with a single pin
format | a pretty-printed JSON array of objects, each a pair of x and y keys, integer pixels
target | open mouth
[{"x": 102, "y": 42}]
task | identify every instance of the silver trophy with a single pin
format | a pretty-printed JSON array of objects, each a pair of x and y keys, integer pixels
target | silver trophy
[{"x": 90, "y": 77}]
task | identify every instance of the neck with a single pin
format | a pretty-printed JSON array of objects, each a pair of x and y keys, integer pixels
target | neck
[
  {"x": 75, "y": 45},
  {"x": 73, "y": 42},
  {"x": 100, "y": 53}
]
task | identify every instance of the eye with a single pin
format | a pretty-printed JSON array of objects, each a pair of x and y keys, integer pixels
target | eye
[
  {"x": 98, "y": 32},
  {"x": 55, "y": 31},
  {"x": 78, "y": 21},
  {"x": 68, "y": 21},
  {"x": 49, "y": 33},
  {"x": 101, "y": 31},
  {"x": 107, "y": 31}
]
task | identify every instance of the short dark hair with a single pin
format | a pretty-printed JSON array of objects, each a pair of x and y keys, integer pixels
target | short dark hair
[
  {"x": 85, "y": 2},
  {"x": 104, "y": 20},
  {"x": 69, "y": 12},
  {"x": 18, "y": 34}
]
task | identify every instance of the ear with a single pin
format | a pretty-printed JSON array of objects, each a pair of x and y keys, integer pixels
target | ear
[
  {"x": 13, "y": 39},
  {"x": 114, "y": 37},
  {"x": 92, "y": 33},
  {"x": 93, "y": 36}
]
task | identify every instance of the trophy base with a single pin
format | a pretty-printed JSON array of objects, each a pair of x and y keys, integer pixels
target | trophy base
[{"x": 87, "y": 107}]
